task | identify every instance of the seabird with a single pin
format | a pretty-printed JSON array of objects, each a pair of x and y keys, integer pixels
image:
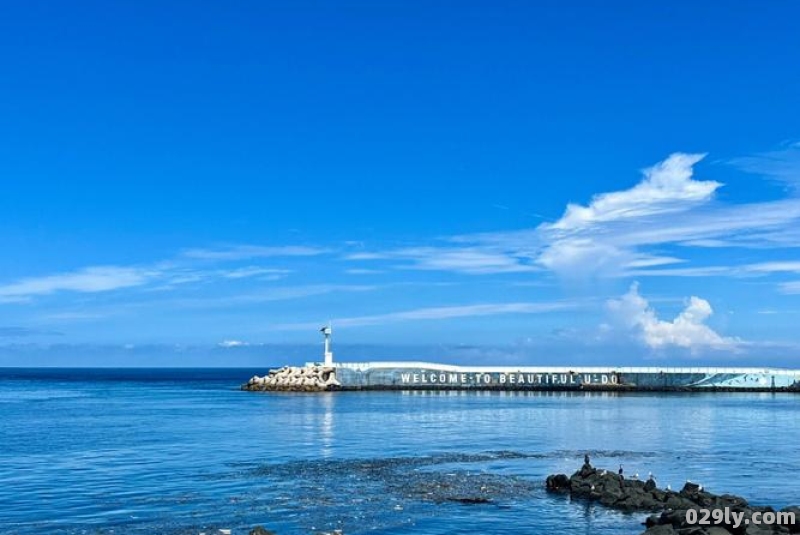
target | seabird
[
  {"x": 620, "y": 469},
  {"x": 669, "y": 487},
  {"x": 603, "y": 472},
  {"x": 586, "y": 458},
  {"x": 636, "y": 475}
]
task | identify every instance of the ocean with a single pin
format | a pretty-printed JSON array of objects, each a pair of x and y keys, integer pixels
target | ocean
[{"x": 183, "y": 451}]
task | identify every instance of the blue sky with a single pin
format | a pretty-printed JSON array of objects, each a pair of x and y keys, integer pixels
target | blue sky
[{"x": 488, "y": 182}]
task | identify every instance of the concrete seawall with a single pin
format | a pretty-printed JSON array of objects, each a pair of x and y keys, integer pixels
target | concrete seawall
[{"x": 431, "y": 376}]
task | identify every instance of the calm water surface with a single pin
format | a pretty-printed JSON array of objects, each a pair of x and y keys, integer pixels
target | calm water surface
[{"x": 183, "y": 451}]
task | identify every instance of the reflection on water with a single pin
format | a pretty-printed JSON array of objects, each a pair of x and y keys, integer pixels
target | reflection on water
[
  {"x": 182, "y": 456},
  {"x": 326, "y": 429}
]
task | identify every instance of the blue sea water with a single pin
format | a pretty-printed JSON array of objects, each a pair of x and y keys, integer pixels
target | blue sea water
[{"x": 184, "y": 451}]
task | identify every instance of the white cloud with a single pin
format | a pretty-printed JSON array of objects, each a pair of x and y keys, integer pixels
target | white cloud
[
  {"x": 591, "y": 239},
  {"x": 687, "y": 330},
  {"x": 667, "y": 187},
  {"x": 243, "y": 252},
  {"x": 440, "y": 313},
  {"x": 232, "y": 343},
  {"x": 86, "y": 280}
]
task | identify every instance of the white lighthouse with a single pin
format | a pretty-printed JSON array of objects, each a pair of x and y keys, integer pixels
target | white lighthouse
[{"x": 326, "y": 331}]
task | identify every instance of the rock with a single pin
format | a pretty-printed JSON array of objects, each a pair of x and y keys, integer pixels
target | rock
[
  {"x": 470, "y": 500},
  {"x": 558, "y": 483},
  {"x": 631, "y": 495},
  {"x": 690, "y": 489},
  {"x": 664, "y": 529},
  {"x": 260, "y": 530},
  {"x": 758, "y": 530},
  {"x": 793, "y": 527}
]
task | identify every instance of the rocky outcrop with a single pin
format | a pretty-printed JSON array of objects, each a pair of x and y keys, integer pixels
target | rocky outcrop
[
  {"x": 295, "y": 379},
  {"x": 631, "y": 495},
  {"x": 733, "y": 521}
]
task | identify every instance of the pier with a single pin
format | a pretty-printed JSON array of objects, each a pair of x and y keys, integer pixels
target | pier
[{"x": 410, "y": 375}]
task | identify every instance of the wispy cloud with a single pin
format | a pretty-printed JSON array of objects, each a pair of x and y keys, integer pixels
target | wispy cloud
[
  {"x": 441, "y": 313},
  {"x": 701, "y": 271},
  {"x": 792, "y": 287},
  {"x": 86, "y": 280},
  {"x": 644, "y": 230},
  {"x": 468, "y": 260},
  {"x": 745, "y": 270},
  {"x": 667, "y": 187},
  {"x": 244, "y": 252},
  {"x": 782, "y": 165},
  {"x": 253, "y": 271},
  {"x": 790, "y": 266},
  {"x": 265, "y": 295},
  {"x": 687, "y": 330},
  {"x": 20, "y": 332},
  {"x": 164, "y": 275}
]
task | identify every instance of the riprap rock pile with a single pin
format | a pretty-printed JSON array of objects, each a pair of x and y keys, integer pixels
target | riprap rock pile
[{"x": 295, "y": 379}]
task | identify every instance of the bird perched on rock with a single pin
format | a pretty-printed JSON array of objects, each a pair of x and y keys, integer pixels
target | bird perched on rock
[
  {"x": 620, "y": 470},
  {"x": 586, "y": 459}
]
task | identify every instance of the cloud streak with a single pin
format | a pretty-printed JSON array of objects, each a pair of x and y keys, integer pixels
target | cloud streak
[
  {"x": 466, "y": 260},
  {"x": 245, "y": 252},
  {"x": 441, "y": 313},
  {"x": 87, "y": 280},
  {"x": 781, "y": 165}
]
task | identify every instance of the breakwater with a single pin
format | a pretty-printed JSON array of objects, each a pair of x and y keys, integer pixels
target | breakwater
[{"x": 431, "y": 376}]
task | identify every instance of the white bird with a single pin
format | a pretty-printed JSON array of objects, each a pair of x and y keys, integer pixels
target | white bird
[
  {"x": 592, "y": 487},
  {"x": 701, "y": 488},
  {"x": 603, "y": 472},
  {"x": 636, "y": 475},
  {"x": 669, "y": 487}
]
